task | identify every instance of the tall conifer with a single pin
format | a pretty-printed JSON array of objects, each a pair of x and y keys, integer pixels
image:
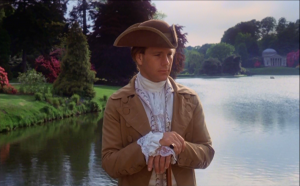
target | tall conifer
[{"x": 76, "y": 76}]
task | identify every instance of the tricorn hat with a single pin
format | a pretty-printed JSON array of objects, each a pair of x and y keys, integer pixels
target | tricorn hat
[{"x": 151, "y": 33}]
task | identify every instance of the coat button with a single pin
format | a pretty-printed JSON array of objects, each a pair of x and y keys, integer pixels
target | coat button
[
  {"x": 129, "y": 139},
  {"x": 126, "y": 110}
]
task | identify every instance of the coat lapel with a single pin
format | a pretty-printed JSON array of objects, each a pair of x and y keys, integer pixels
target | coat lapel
[
  {"x": 137, "y": 116},
  {"x": 182, "y": 109}
]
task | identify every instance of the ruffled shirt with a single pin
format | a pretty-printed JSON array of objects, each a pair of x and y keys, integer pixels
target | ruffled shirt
[{"x": 157, "y": 99}]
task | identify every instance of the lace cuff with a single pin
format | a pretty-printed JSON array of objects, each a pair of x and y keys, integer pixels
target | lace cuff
[
  {"x": 166, "y": 151},
  {"x": 150, "y": 143}
]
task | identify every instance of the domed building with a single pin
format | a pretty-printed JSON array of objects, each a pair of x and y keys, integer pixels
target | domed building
[{"x": 272, "y": 59}]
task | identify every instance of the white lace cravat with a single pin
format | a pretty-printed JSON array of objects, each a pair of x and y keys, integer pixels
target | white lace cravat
[{"x": 158, "y": 103}]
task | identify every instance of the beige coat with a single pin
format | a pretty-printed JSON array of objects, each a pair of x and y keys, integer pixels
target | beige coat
[{"x": 125, "y": 121}]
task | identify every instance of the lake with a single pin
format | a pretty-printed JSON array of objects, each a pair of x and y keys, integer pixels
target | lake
[{"x": 253, "y": 122}]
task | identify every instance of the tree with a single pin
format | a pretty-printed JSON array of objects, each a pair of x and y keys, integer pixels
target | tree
[
  {"x": 114, "y": 64},
  {"x": 49, "y": 67},
  {"x": 220, "y": 51},
  {"x": 35, "y": 25},
  {"x": 241, "y": 49},
  {"x": 211, "y": 66},
  {"x": 203, "y": 49},
  {"x": 4, "y": 46},
  {"x": 252, "y": 27},
  {"x": 76, "y": 76},
  {"x": 79, "y": 13},
  {"x": 179, "y": 57},
  {"x": 232, "y": 65},
  {"x": 282, "y": 24},
  {"x": 194, "y": 61},
  {"x": 158, "y": 14},
  {"x": 267, "y": 25}
]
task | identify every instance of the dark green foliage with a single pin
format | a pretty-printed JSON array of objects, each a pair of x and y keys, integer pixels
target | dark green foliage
[
  {"x": 75, "y": 98},
  {"x": 39, "y": 96},
  {"x": 48, "y": 96},
  {"x": 94, "y": 106},
  {"x": 114, "y": 64},
  {"x": 267, "y": 25},
  {"x": 211, "y": 66},
  {"x": 56, "y": 102},
  {"x": 232, "y": 65},
  {"x": 241, "y": 49},
  {"x": 76, "y": 76},
  {"x": 4, "y": 48},
  {"x": 220, "y": 51},
  {"x": 194, "y": 61},
  {"x": 34, "y": 26},
  {"x": 72, "y": 105},
  {"x": 105, "y": 97},
  {"x": 32, "y": 81}
]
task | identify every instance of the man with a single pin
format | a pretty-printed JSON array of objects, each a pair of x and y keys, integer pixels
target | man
[{"x": 153, "y": 121}]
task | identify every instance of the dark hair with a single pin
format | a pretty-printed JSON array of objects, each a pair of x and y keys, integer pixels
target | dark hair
[{"x": 137, "y": 50}]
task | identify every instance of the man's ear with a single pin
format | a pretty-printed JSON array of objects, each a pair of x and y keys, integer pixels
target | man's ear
[{"x": 139, "y": 58}]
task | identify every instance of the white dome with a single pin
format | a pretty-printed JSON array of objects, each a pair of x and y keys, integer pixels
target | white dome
[{"x": 269, "y": 51}]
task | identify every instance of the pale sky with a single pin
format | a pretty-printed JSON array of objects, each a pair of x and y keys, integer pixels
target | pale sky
[{"x": 206, "y": 21}]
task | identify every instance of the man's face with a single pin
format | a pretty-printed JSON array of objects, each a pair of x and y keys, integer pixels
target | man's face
[{"x": 156, "y": 63}]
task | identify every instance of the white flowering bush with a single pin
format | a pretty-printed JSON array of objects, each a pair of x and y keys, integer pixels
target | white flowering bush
[{"x": 32, "y": 82}]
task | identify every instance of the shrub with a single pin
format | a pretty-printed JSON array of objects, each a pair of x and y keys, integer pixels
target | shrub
[
  {"x": 61, "y": 101},
  {"x": 39, "y": 96},
  {"x": 94, "y": 106},
  {"x": 76, "y": 76},
  {"x": 32, "y": 80},
  {"x": 5, "y": 87},
  {"x": 71, "y": 105},
  {"x": 48, "y": 96},
  {"x": 105, "y": 97},
  {"x": 232, "y": 65},
  {"x": 75, "y": 98},
  {"x": 49, "y": 100},
  {"x": 47, "y": 110},
  {"x": 211, "y": 66},
  {"x": 49, "y": 67},
  {"x": 22, "y": 90},
  {"x": 55, "y": 102}
]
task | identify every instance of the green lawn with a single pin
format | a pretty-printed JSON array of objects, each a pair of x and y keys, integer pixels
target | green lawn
[
  {"x": 274, "y": 71},
  {"x": 23, "y": 110}
]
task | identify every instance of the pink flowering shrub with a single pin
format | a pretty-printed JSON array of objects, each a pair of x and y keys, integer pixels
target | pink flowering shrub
[
  {"x": 5, "y": 87},
  {"x": 50, "y": 68},
  {"x": 257, "y": 64},
  {"x": 292, "y": 59}
]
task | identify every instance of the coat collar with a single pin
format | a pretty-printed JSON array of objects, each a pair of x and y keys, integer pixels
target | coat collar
[
  {"x": 134, "y": 113},
  {"x": 129, "y": 89}
]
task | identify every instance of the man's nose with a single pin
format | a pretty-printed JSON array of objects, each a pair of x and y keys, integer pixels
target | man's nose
[{"x": 166, "y": 60}]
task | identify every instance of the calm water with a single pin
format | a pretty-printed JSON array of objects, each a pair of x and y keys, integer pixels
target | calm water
[{"x": 253, "y": 121}]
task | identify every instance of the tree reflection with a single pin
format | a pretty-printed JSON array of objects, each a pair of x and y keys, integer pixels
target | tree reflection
[{"x": 57, "y": 153}]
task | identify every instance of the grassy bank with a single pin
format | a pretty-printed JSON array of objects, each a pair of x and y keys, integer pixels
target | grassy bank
[
  {"x": 23, "y": 110},
  {"x": 274, "y": 71}
]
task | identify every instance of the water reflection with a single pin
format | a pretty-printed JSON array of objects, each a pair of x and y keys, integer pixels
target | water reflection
[
  {"x": 65, "y": 152},
  {"x": 253, "y": 122}
]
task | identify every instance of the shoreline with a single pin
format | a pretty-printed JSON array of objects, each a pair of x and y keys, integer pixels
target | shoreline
[{"x": 20, "y": 111}]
